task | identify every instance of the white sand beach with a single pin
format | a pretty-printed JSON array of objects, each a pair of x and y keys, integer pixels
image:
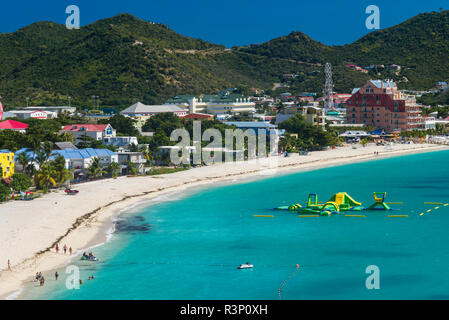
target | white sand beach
[{"x": 30, "y": 230}]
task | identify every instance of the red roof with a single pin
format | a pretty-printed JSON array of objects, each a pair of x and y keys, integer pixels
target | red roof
[
  {"x": 197, "y": 116},
  {"x": 88, "y": 127},
  {"x": 13, "y": 125}
]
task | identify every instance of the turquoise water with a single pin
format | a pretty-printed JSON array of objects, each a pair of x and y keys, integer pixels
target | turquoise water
[{"x": 189, "y": 248}]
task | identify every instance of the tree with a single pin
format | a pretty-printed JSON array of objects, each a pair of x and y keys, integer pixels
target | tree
[
  {"x": 95, "y": 170},
  {"x": 24, "y": 160},
  {"x": 123, "y": 125},
  {"x": 146, "y": 154},
  {"x": 5, "y": 192},
  {"x": 21, "y": 182},
  {"x": 113, "y": 169},
  {"x": 311, "y": 137},
  {"x": 45, "y": 177},
  {"x": 364, "y": 142},
  {"x": 62, "y": 174}
]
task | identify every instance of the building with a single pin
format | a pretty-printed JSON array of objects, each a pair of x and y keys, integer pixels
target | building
[
  {"x": 380, "y": 104},
  {"x": 95, "y": 131},
  {"x": 77, "y": 159},
  {"x": 141, "y": 110},
  {"x": 341, "y": 97},
  {"x": 33, "y": 114},
  {"x": 442, "y": 85},
  {"x": 256, "y": 126},
  {"x": 120, "y": 142},
  {"x": 224, "y": 102},
  {"x": 6, "y": 163},
  {"x": 13, "y": 125},
  {"x": 56, "y": 109},
  {"x": 81, "y": 159},
  {"x": 135, "y": 158},
  {"x": 429, "y": 123}
]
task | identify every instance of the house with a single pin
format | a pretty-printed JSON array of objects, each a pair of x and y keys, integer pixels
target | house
[
  {"x": 77, "y": 159},
  {"x": 135, "y": 158},
  {"x": 6, "y": 163},
  {"x": 379, "y": 103},
  {"x": 33, "y": 114},
  {"x": 13, "y": 125},
  {"x": 81, "y": 159},
  {"x": 442, "y": 85},
  {"x": 95, "y": 131},
  {"x": 120, "y": 142}
]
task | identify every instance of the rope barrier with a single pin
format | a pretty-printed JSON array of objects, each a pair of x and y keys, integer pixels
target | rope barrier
[{"x": 286, "y": 280}]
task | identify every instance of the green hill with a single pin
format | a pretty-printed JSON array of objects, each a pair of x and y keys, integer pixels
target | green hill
[{"x": 124, "y": 58}]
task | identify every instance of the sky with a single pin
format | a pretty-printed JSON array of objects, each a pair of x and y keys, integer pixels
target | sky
[{"x": 230, "y": 22}]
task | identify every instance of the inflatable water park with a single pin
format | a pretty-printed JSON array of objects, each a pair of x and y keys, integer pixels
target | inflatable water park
[{"x": 338, "y": 203}]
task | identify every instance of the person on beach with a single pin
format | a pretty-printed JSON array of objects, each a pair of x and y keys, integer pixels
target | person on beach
[
  {"x": 70, "y": 250},
  {"x": 65, "y": 249},
  {"x": 9, "y": 265},
  {"x": 56, "y": 276},
  {"x": 57, "y": 248}
]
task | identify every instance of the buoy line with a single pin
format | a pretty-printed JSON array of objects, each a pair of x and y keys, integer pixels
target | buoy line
[{"x": 286, "y": 280}]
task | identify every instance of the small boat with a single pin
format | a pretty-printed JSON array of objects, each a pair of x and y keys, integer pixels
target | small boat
[
  {"x": 71, "y": 192},
  {"x": 85, "y": 257},
  {"x": 246, "y": 266}
]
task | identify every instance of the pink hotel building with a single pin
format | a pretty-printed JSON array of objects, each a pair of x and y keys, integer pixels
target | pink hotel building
[{"x": 380, "y": 104}]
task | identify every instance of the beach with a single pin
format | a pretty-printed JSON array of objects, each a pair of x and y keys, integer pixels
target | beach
[{"x": 29, "y": 231}]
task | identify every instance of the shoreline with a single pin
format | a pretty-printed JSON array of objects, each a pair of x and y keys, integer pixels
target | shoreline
[{"x": 85, "y": 220}]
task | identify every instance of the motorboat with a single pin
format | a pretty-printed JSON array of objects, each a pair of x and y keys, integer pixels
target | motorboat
[{"x": 246, "y": 266}]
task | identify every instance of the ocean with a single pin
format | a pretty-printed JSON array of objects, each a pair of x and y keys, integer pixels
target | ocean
[{"x": 189, "y": 246}]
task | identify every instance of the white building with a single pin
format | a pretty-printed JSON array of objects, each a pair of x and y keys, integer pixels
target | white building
[
  {"x": 95, "y": 131},
  {"x": 33, "y": 114},
  {"x": 141, "y": 110}
]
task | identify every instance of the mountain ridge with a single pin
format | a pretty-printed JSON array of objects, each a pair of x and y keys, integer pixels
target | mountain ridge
[{"x": 124, "y": 58}]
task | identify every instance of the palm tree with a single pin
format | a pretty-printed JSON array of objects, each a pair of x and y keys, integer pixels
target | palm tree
[
  {"x": 45, "y": 177},
  {"x": 95, "y": 170},
  {"x": 24, "y": 161},
  {"x": 62, "y": 174},
  {"x": 113, "y": 169},
  {"x": 146, "y": 154}
]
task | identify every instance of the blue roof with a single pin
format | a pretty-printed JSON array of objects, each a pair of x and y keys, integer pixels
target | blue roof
[
  {"x": 70, "y": 153},
  {"x": 84, "y": 153}
]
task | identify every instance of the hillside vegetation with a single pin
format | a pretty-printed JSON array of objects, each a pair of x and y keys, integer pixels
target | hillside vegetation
[{"x": 123, "y": 58}]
